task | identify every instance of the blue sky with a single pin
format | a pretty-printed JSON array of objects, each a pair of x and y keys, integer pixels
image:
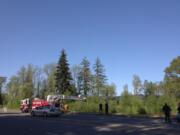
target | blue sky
[{"x": 130, "y": 37}]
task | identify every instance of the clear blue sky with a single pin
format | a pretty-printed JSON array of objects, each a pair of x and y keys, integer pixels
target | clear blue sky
[{"x": 129, "y": 36}]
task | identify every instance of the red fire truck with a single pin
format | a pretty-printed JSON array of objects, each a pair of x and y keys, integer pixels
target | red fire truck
[
  {"x": 39, "y": 102},
  {"x": 27, "y": 106}
]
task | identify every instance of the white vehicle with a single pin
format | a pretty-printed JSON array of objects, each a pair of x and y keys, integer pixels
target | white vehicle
[
  {"x": 56, "y": 98},
  {"x": 46, "y": 111}
]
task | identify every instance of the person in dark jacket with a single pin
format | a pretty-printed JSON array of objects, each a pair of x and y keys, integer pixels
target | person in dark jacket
[
  {"x": 100, "y": 108},
  {"x": 106, "y": 108},
  {"x": 167, "y": 112},
  {"x": 178, "y": 113},
  {"x": 178, "y": 109}
]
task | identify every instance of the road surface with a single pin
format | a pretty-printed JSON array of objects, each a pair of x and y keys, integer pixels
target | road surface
[{"x": 84, "y": 124}]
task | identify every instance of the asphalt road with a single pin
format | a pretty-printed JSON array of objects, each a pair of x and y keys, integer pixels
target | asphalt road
[{"x": 84, "y": 124}]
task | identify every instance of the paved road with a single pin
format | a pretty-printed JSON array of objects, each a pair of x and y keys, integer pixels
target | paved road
[{"x": 84, "y": 124}]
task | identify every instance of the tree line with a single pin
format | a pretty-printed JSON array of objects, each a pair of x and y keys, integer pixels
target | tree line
[
  {"x": 91, "y": 81},
  {"x": 58, "y": 78},
  {"x": 149, "y": 97}
]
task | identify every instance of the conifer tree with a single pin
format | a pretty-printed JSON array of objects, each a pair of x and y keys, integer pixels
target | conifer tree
[
  {"x": 63, "y": 76},
  {"x": 85, "y": 76},
  {"x": 100, "y": 77}
]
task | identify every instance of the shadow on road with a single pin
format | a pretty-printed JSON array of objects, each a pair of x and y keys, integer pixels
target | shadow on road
[
  {"x": 9, "y": 113},
  {"x": 83, "y": 124}
]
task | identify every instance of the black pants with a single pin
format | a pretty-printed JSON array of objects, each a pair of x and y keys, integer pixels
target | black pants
[
  {"x": 100, "y": 108},
  {"x": 107, "y": 109},
  {"x": 167, "y": 117}
]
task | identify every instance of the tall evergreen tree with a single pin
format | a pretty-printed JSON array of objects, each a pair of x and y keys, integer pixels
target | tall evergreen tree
[
  {"x": 85, "y": 76},
  {"x": 100, "y": 77},
  {"x": 63, "y": 76}
]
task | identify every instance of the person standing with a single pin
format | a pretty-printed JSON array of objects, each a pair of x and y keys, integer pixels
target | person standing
[
  {"x": 167, "y": 112},
  {"x": 178, "y": 109},
  {"x": 178, "y": 113},
  {"x": 106, "y": 108},
  {"x": 100, "y": 108}
]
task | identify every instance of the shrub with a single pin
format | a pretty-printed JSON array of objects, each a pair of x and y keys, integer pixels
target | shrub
[
  {"x": 170, "y": 100},
  {"x": 13, "y": 104},
  {"x": 142, "y": 111},
  {"x": 151, "y": 105},
  {"x": 130, "y": 104},
  {"x": 154, "y": 104},
  {"x": 90, "y": 105}
]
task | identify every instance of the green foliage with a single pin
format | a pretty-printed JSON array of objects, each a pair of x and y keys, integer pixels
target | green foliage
[
  {"x": 63, "y": 75},
  {"x": 4, "y": 98},
  {"x": 2, "y": 81},
  {"x": 113, "y": 106},
  {"x": 75, "y": 71},
  {"x": 50, "y": 82},
  {"x": 13, "y": 104},
  {"x": 150, "y": 88},
  {"x": 130, "y": 104},
  {"x": 170, "y": 100},
  {"x": 21, "y": 85},
  {"x": 90, "y": 105},
  {"x": 109, "y": 90},
  {"x": 151, "y": 105},
  {"x": 25, "y": 91},
  {"x": 32, "y": 81},
  {"x": 99, "y": 77},
  {"x": 142, "y": 111},
  {"x": 172, "y": 78},
  {"x": 137, "y": 85},
  {"x": 154, "y": 104},
  {"x": 85, "y": 77}
]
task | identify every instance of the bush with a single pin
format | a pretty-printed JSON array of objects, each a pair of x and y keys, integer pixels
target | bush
[
  {"x": 142, "y": 111},
  {"x": 151, "y": 105},
  {"x": 154, "y": 104},
  {"x": 13, "y": 104},
  {"x": 113, "y": 106},
  {"x": 90, "y": 105},
  {"x": 170, "y": 100},
  {"x": 130, "y": 104}
]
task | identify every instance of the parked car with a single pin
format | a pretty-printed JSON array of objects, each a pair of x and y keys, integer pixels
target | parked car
[{"x": 46, "y": 111}]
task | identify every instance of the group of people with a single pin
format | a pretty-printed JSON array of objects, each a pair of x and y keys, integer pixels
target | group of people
[
  {"x": 106, "y": 108},
  {"x": 167, "y": 112}
]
